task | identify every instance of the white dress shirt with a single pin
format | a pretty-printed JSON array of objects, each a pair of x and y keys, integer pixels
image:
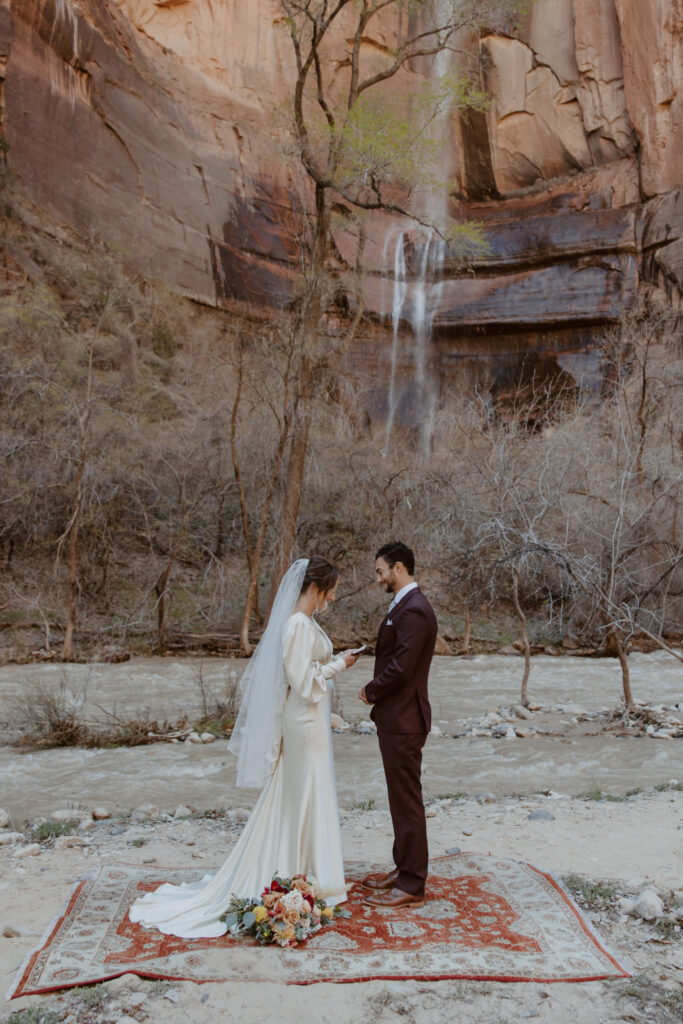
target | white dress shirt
[{"x": 402, "y": 593}]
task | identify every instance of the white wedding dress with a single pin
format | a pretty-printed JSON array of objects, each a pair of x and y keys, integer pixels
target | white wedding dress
[{"x": 294, "y": 827}]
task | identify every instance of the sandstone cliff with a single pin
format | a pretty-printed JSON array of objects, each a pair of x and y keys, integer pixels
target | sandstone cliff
[{"x": 158, "y": 124}]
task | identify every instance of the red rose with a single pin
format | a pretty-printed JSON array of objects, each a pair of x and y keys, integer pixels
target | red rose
[
  {"x": 309, "y": 899},
  {"x": 276, "y": 887}
]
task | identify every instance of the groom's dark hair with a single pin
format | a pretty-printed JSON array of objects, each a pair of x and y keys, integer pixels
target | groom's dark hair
[{"x": 397, "y": 552}]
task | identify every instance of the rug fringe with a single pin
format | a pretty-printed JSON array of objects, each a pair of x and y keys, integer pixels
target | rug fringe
[{"x": 89, "y": 876}]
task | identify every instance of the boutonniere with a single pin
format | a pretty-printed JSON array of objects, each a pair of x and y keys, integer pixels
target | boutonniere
[{"x": 389, "y": 622}]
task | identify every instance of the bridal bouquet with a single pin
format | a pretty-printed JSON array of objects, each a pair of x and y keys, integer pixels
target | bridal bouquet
[{"x": 288, "y": 911}]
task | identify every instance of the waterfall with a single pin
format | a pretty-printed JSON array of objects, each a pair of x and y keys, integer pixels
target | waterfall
[
  {"x": 416, "y": 296},
  {"x": 399, "y": 295},
  {"x": 415, "y": 299}
]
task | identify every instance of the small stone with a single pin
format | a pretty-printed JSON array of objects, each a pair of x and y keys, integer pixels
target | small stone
[
  {"x": 182, "y": 811},
  {"x": 32, "y": 850},
  {"x": 4, "y": 818},
  {"x": 207, "y": 737},
  {"x": 626, "y": 905},
  {"x": 194, "y": 737},
  {"x": 648, "y": 905},
  {"x": 118, "y": 830},
  {"x": 662, "y": 734},
  {"x": 9, "y": 838},
  {"x": 101, "y": 814},
  {"x": 66, "y": 842},
  {"x": 500, "y": 730},
  {"x": 452, "y": 850},
  {"x": 436, "y": 731},
  {"x": 338, "y": 723},
  {"x": 522, "y": 712},
  {"x": 71, "y": 815},
  {"x": 430, "y": 812},
  {"x": 571, "y": 709},
  {"x": 366, "y": 727},
  {"x": 125, "y": 981},
  {"x": 10, "y": 932},
  {"x": 465, "y": 833},
  {"x": 523, "y": 731},
  {"x": 540, "y": 815},
  {"x": 144, "y": 812},
  {"x": 136, "y": 998}
]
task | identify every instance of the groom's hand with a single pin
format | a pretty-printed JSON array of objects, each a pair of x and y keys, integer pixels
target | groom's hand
[{"x": 361, "y": 696}]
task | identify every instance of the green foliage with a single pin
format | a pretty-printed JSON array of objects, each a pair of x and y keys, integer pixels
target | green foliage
[
  {"x": 92, "y": 996},
  {"x": 51, "y": 829},
  {"x": 34, "y": 1015},
  {"x": 588, "y": 893},
  {"x": 388, "y": 140},
  {"x": 363, "y": 805}
]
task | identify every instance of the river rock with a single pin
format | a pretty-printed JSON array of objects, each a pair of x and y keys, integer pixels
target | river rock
[
  {"x": 68, "y": 815},
  {"x": 182, "y": 812},
  {"x": 101, "y": 814},
  {"x": 338, "y": 723},
  {"x": 540, "y": 815},
  {"x": 522, "y": 712},
  {"x": 144, "y": 812},
  {"x": 124, "y": 982},
  {"x": 4, "y": 818},
  {"x": 626, "y": 905},
  {"x": 32, "y": 850},
  {"x": 571, "y": 709},
  {"x": 649, "y": 905},
  {"x": 10, "y": 838},
  {"x": 194, "y": 737},
  {"x": 524, "y": 732},
  {"x": 67, "y": 842},
  {"x": 366, "y": 727}
]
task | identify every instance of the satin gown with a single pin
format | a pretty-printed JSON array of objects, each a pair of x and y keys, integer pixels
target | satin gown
[{"x": 294, "y": 826}]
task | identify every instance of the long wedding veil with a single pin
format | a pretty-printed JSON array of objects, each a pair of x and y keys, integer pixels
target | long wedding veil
[{"x": 258, "y": 730}]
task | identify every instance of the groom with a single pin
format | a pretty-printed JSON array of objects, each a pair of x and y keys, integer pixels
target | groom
[{"x": 401, "y": 711}]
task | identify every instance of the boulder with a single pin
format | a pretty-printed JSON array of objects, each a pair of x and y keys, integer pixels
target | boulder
[
  {"x": 649, "y": 905},
  {"x": 101, "y": 814},
  {"x": 32, "y": 850}
]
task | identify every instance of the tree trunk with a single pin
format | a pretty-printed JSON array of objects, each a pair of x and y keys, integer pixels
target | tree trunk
[
  {"x": 290, "y": 503},
  {"x": 618, "y": 649},
  {"x": 525, "y": 641},
  {"x": 468, "y": 630},
  {"x": 160, "y": 590}
]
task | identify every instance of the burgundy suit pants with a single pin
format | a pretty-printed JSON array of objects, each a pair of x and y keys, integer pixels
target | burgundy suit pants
[{"x": 402, "y": 759}]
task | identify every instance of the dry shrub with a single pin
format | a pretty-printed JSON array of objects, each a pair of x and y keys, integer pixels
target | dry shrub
[{"x": 45, "y": 715}]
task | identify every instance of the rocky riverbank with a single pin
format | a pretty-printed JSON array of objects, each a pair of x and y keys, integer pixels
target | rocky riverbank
[{"x": 621, "y": 859}]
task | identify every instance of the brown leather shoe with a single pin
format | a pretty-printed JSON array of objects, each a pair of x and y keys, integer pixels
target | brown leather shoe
[
  {"x": 395, "y": 899},
  {"x": 385, "y": 881}
]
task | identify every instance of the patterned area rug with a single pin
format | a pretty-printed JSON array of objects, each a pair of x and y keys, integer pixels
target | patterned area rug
[{"x": 485, "y": 918}]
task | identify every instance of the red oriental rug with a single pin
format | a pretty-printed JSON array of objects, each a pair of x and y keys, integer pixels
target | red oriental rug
[{"x": 485, "y": 918}]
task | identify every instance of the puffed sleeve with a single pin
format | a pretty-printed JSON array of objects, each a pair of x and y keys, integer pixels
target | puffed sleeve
[{"x": 305, "y": 675}]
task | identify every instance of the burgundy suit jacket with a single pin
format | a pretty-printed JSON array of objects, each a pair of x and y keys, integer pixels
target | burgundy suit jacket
[{"x": 403, "y": 654}]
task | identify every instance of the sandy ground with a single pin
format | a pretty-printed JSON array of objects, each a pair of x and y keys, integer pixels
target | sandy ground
[{"x": 631, "y": 842}]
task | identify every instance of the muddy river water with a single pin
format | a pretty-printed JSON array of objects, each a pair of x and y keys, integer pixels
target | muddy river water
[{"x": 573, "y": 760}]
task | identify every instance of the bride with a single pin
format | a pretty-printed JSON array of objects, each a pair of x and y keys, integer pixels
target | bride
[{"x": 283, "y": 743}]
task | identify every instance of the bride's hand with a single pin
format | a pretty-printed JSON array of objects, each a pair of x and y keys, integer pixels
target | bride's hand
[{"x": 349, "y": 658}]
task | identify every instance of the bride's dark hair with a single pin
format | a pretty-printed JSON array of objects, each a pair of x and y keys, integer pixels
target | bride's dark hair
[{"x": 320, "y": 572}]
